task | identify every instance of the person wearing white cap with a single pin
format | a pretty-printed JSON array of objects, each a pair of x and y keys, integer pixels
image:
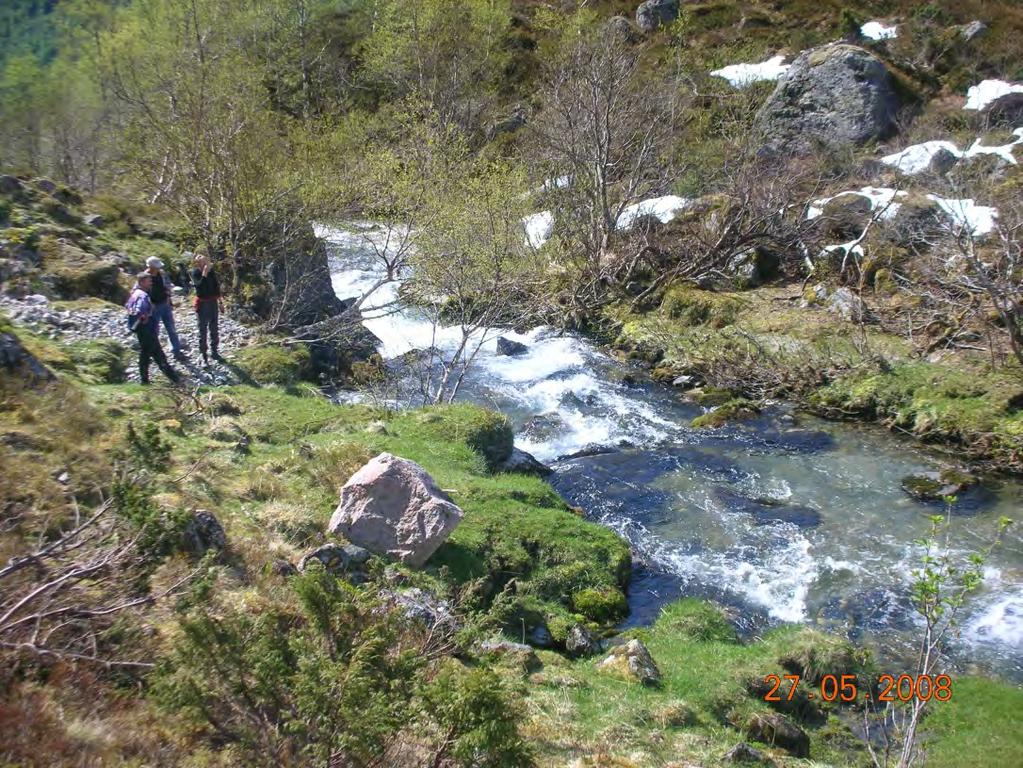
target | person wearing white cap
[{"x": 163, "y": 306}]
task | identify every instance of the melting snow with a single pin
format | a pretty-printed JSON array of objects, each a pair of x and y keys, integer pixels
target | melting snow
[
  {"x": 978, "y": 219},
  {"x": 917, "y": 158},
  {"x": 539, "y": 227},
  {"x": 875, "y": 30},
  {"x": 879, "y": 197},
  {"x": 741, "y": 75},
  {"x": 979, "y": 96},
  {"x": 664, "y": 208}
]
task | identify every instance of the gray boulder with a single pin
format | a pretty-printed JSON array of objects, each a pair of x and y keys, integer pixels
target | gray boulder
[
  {"x": 524, "y": 463},
  {"x": 1006, "y": 111},
  {"x": 510, "y": 347},
  {"x": 581, "y": 642},
  {"x": 332, "y": 557},
  {"x": 744, "y": 753},
  {"x": 393, "y": 507},
  {"x": 654, "y": 13},
  {"x": 832, "y": 97},
  {"x": 972, "y": 30},
  {"x": 204, "y": 532},
  {"x": 631, "y": 661},
  {"x": 9, "y": 185},
  {"x": 847, "y": 305}
]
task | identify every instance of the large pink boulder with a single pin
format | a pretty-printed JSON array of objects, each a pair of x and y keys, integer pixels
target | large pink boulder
[{"x": 393, "y": 507}]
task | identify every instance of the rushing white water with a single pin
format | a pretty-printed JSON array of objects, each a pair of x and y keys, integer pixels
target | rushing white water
[{"x": 787, "y": 522}]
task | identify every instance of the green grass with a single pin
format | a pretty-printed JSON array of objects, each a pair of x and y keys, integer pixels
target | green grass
[
  {"x": 519, "y": 546},
  {"x": 978, "y": 727}
]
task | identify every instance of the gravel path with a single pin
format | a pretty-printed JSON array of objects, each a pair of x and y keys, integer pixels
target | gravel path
[{"x": 39, "y": 315}]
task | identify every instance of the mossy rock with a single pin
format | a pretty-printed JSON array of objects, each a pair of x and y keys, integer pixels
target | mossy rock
[
  {"x": 739, "y": 408},
  {"x": 692, "y": 306},
  {"x": 937, "y": 486},
  {"x": 78, "y": 274},
  {"x": 102, "y": 361},
  {"x": 601, "y": 605},
  {"x": 274, "y": 363},
  {"x": 713, "y": 396}
]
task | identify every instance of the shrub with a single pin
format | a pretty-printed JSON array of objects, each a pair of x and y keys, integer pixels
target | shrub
[
  {"x": 602, "y": 605},
  {"x": 276, "y": 364}
]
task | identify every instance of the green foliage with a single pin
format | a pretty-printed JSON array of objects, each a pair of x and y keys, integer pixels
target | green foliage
[
  {"x": 601, "y": 605},
  {"x": 157, "y": 533},
  {"x": 275, "y": 364},
  {"x": 479, "y": 717}
]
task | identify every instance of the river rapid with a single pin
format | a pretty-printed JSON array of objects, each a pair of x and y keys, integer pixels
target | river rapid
[{"x": 783, "y": 518}]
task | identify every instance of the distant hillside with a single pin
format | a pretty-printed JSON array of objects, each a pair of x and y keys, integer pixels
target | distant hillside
[{"x": 27, "y": 25}]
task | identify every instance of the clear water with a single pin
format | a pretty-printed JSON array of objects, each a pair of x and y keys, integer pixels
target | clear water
[{"x": 785, "y": 518}]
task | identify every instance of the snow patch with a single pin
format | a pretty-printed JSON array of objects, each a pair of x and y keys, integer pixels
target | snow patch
[
  {"x": 982, "y": 94},
  {"x": 539, "y": 227},
  {"x": 741, "y": 75},
  {"x": 917, "y": 158},
  {"x": 879, "y": 197},
  {"x": 875, "y": 30},
  {"x": 664, "y": 208},
  {"x": 979, "y": 220}
]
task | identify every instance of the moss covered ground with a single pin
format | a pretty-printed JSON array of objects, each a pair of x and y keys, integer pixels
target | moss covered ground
[{"x": 763, "y": 343}]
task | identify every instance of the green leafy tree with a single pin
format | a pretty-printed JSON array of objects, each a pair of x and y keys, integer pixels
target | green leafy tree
[
  {"x": 448, "y": 53},
  {"x": 942, "y": 586}
]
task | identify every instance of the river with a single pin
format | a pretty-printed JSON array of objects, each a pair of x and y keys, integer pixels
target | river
[{"x": 782, "y": 518}]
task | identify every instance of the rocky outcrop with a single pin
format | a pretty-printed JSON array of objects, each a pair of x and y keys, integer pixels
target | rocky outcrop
[
  {"x": 393, "y": 507},
  {"x": 632, "y": 661},
  {"x": 654, "y": 13},
  {"x": 831, "y": 97},
  {"x": 18, "y": 363},
  {"x": 336, "y": 343}
]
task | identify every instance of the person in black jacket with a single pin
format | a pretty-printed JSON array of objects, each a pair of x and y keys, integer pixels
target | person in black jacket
[{"x": 208, "y": 306}]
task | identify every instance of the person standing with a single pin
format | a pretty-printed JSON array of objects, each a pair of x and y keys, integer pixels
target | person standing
[
  {"x": 163, "y": 306},
  {"x": 140, "y": 315},
  {"x": 208, "y": 306}
]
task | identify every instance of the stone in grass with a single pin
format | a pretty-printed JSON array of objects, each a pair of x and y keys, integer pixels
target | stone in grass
[
  {"x": 332, "y": 557},
  {"x": 744, "y": 753},
  {"x": 204, "y": 532},
  {"x": 779, "y": 731},
  {"x": 514, "y": 654},
  {"x": 935, "y": 486},
  {"x": 393, "y": 507},
  {"x": 581, "y": 642},
  {"x": 632, "y": 662}
]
